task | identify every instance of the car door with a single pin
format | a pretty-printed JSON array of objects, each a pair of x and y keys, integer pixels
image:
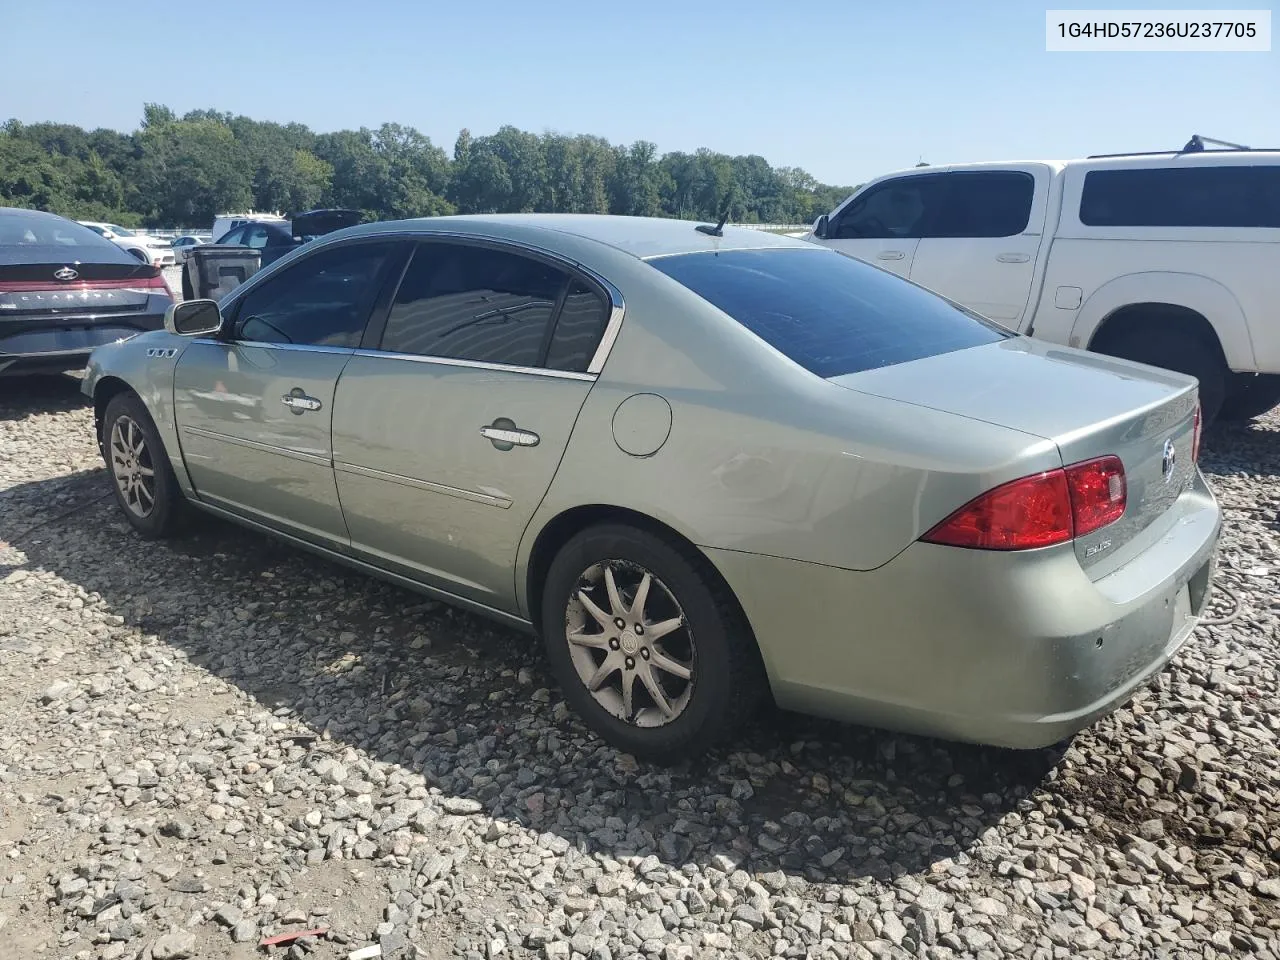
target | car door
[
  {"x": 254, "y": 409},
  {"x": 883, "y": 224},
  {"x": 448, "y": 434},
  {"x": 982, "y": 250}
]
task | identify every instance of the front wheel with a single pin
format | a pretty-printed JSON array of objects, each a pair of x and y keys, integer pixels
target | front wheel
[
  {"x": 649, "y": 647},
  {"x": 141, "y": 477}
]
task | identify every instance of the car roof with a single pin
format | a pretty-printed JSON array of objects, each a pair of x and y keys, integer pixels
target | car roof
[
  {"x": 28, "y": 212},
  {"x": 642, "y": 237}
]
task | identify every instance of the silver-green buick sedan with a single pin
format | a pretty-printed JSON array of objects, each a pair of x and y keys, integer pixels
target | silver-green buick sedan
[{"x": 707, "y": 466}]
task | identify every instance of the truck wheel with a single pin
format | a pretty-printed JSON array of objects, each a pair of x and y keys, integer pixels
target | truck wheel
[
  {"x": 1180, "y": 351},
  {"x": 1251, "y": 396}
]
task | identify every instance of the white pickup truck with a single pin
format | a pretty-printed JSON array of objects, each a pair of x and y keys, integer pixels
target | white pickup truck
[{"x": 1171, "y": 259}]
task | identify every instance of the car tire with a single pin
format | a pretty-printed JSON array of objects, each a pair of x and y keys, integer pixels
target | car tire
[
  {"x": 713, "y": 644},
  {"x": 153, "y": 504},
  {"x": 1251, "y": 396},
  {"x": 1179, "y": 351}
]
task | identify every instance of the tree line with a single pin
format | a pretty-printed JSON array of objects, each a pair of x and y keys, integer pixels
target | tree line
[{"x": 183, "y": 171}]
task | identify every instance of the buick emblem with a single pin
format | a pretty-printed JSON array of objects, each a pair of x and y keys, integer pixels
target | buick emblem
[
  {"x": 1169, "y": 461},
  {"x": 66, "y": 273}
]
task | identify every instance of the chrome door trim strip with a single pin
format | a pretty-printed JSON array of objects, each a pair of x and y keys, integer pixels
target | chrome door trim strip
[
  {"x": 476, "y": 497},
  {"x": 478, "y": 365},
  {"x": 256, "y": 445}
]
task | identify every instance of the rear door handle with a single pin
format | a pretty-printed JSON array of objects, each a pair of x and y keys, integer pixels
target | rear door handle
[
  {"x": 504, "y": 435},
  {"x": 890, "y": 255},
  {"x": 1013, "y": 258}
]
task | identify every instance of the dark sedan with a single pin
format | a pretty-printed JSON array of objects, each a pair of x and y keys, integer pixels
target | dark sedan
[{"x": 65, "y": 290}]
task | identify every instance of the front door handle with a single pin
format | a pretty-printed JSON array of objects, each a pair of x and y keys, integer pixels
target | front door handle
[
  {"x": 505, "y": 435},
  {"x": 890, "y": 255},
  {"x": 298, "y": 402},
  {"x": 1013, "y": 258}
]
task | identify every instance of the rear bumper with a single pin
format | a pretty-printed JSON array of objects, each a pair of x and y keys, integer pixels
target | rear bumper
[
  {"x": 65, "y": 344},
  {"x": 1009, "y": 649}
]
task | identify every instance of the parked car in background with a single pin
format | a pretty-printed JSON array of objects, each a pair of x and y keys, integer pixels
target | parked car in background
[
  {"x": 706, "y": 465},
  {"x": 275, "y": 238},
  {"x": 181, "y": 246},
  {"x": 1165, "y": 258},
  {"x": 224, "y": 223},
  {"x": 150, "y": 250},
  {"x": 65, "y": 289}
]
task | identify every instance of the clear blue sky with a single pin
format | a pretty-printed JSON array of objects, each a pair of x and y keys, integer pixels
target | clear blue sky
[{"x": 844, "y": 89}]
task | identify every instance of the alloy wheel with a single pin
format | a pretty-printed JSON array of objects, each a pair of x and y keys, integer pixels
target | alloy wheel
[
  {"x": 132, "y": 467},
  {"x": 630, "y": 643}
]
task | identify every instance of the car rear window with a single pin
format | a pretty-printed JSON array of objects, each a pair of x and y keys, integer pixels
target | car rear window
[
  {"x": 34, "y": 237},
  {"x": 829, "y": 313}
]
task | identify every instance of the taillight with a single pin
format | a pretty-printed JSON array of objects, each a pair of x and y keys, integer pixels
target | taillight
[
  {"x": 1040, "y": 510},
  {"x": 1195, "y": 436},
  {"x": 1098, "y": 493},
  {"x": 1032, "y": 512}
]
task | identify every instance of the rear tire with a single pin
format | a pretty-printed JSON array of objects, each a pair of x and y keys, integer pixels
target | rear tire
[
  {"x": 1251, "y": 396},
  {"x": 141, "y": 476},
  {"x": 1176, "y": 350},
  {"x": 694, "y": 644}
]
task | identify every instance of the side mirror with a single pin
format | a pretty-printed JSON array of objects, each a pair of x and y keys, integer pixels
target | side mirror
[
  {"x": 193, "y": 318},
  {"x": 820, "y": 227}
]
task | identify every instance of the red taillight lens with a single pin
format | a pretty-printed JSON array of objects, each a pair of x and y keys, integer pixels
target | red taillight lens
[
  {"x": 1032, "y": 512},
  {"x": 1195, "y": 436},
  {"x": 1098, "y": 493},
  {"x": 1040, "y": 510}
]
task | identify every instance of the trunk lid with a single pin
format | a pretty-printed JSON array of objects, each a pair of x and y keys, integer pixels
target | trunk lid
[
  {"x": 1088, "y": 404},
  {"x": 316, "y": 223},
  {"x": 37, "y": 289}
]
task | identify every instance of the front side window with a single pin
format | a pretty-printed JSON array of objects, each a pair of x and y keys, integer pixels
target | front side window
[
  {"x": 323, "y": 300},
  {"x": 828, "y": 312},
  {"x": 1201, "y": 196},
  {"x": 235, "y": 238},
  {"x": 468, "y": 302},
  {"x": 896, "y": 209}
]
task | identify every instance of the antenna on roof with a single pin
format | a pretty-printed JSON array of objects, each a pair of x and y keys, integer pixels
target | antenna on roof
[
  {"x": 718, "y": 229},
  {"x": 1197, "y": 142}
]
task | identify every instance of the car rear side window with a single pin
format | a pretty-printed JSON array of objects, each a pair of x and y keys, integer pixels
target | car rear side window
[
  {"x": 578, "y": 330},
  {"x": 1232, "y": 195},
  {"x": 321, "y": 300},
  {"x": 467, "y": 302},
  {"x": 829, "y": 313}
]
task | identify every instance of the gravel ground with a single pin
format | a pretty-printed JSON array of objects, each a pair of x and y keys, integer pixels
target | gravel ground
[{"x": 218, "y": 739}]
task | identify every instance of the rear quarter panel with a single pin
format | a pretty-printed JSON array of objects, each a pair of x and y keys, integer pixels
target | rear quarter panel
[{"x": 762, "y": 456}]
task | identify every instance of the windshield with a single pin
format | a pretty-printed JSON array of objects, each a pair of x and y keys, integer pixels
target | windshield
[
  {"x": 119, "y": 231},
  {"x": 826, "y": 311}
]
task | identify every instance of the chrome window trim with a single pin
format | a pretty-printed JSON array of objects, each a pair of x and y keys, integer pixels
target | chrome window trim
[
  {"x": 255, "y": 445},
  {"x": 613, "y": 326},
  {"x": 477, "y": 365},
  {"x": 262, "y": 344},
  {"x": 474, "y": 495}
]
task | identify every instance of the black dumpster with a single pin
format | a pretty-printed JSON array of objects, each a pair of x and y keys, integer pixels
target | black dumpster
[{"x": 213, "y": 270}]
